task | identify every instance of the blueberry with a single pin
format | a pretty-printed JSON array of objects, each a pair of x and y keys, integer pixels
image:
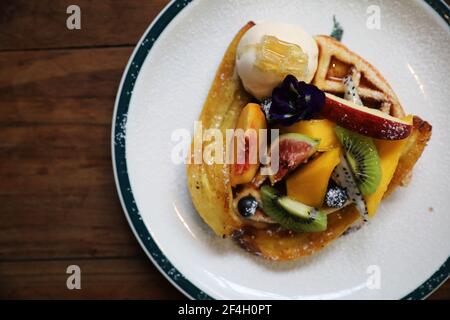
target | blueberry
[
  {"x": 247, "y": 206},
  {"x": 336, "y": 197}
]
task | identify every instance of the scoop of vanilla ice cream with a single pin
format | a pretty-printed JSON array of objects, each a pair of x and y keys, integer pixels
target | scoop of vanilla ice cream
[{"x": 260, "y": 83}]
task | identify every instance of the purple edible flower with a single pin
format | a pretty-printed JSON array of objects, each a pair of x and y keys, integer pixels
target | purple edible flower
[{"x": 293, "y": 101}]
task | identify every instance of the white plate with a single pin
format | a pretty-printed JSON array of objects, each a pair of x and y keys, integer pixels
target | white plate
[{"x": 163, "y": 89}]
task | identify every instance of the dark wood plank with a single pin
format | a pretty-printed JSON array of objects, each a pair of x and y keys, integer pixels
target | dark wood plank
[
  {"x": 100, "y": 279},
  {"x": 57, "y": 190},
  {"x": 28, "y": 24},
  {"x": 64, "y": 87},
  {"x": 443, "y": 293}
]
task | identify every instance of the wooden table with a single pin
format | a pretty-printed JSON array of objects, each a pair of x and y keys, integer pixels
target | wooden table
[{"x": 58, "y": 201}]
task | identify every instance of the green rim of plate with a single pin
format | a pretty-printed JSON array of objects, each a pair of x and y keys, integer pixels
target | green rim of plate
[{"x": 121, "y": 172}]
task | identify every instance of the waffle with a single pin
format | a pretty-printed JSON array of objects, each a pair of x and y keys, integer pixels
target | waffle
[{"x": 336, "y": 61}]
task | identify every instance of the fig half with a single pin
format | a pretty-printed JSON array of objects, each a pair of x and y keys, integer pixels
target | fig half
[{"x": 293, "y": 150}]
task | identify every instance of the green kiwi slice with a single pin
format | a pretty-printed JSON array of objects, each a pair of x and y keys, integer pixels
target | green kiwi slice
[
  {"x": 292, "y": 214},
  {"x": 362, "y": 156}
]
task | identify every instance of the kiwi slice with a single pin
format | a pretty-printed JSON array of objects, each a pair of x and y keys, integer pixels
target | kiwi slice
[
  {"x": 292, "y": 214},
  {"x": 363, "y": 159}
]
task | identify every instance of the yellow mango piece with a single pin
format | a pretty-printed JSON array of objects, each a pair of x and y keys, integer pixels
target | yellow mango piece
[
  {"x": 389, "y": 153},
  {"x": 251, "y": 117},
  {"x": 309, "y": 184},
  {"x": 322, "y": 130}
]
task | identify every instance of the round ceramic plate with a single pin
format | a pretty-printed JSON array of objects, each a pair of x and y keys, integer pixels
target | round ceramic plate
[{"x": 402, "y": 253}]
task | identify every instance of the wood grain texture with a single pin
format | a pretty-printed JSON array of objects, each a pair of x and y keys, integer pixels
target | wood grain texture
[
  {"x": 443, "y": 293},
  {"x": 100, "y": 279},
  {"x": 57, "y": 191},
  {"x": 58, "y": 202},
  {"x": 26, "y": 24}
]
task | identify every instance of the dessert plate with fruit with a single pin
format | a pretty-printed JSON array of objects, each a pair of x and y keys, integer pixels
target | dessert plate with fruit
[{"x": 262, "y": 156}]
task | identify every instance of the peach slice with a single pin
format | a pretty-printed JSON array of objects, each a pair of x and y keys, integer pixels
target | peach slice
[
  {"x": 252, "y": 118},
  {"x": 309, "y": 184}
]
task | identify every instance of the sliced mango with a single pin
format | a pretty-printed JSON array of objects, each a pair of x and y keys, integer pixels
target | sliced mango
[
  {"x": 309, "y": 184},
  {"x": 251, "y": 117},
  {"x": 322, "y": 130},
  {"x": 389, "y": 153}
]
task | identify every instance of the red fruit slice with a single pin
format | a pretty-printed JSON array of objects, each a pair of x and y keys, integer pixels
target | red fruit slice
[
  {"x": 294, "y": 149},
  {"x": 364, "y": 120}
]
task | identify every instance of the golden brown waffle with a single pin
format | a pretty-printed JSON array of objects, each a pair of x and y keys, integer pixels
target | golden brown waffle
[{"x": 336, "y": 61}]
